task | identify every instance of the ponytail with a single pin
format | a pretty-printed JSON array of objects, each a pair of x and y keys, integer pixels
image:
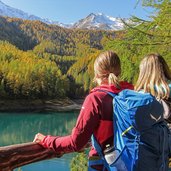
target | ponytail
[{"x": 113, "y": 79}]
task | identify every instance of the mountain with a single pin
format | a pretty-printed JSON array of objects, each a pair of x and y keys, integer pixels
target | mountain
[
  {"x": 8, "y": 11},
  {"x": 100, "y": 22},
  {"x": 92, "y": 21}
]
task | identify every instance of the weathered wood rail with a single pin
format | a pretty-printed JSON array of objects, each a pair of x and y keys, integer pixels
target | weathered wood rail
[{"x": 14, "y": 156}]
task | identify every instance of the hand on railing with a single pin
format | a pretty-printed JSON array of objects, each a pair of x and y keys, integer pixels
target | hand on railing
[{"x": 39, "y": 138}]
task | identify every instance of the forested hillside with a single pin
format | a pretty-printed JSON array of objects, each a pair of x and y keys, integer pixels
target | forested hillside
[
  {"x": 26, "y": 34},
  {"x": 46, "y": 61},
  {"x": 35, "y": 58}
]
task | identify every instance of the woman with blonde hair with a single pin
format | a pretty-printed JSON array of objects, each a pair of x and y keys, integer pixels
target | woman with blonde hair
[
  {"x": 154, "y": 77},
  {"x": 96, "y": 115}
]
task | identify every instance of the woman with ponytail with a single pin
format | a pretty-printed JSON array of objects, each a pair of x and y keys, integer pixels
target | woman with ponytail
[{"x": 96, "y": 115}]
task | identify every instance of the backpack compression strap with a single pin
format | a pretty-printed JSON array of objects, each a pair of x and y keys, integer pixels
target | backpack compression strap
[{"x": 101, "y": 161}]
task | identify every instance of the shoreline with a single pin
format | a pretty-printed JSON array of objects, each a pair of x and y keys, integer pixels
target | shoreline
[{"x": 54, "y": 105}]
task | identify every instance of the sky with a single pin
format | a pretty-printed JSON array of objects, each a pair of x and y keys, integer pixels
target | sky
[{"x": 70, "y": 11}]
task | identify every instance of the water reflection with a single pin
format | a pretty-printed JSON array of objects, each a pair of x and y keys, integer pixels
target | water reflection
[{"x": 19, "y": 128}]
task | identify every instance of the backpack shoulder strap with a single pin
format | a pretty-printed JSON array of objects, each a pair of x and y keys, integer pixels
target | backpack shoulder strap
[
  {"x": 108, "y": 92},
  {"x": 96, "y": 145},
  {"x": 98, "y": 148}
]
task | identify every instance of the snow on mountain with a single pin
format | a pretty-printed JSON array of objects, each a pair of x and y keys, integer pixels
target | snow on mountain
[
  {"x": 100, "y": 22},
  {"x": 8, "y": 11},
  {"x": 92, "y": 21}
]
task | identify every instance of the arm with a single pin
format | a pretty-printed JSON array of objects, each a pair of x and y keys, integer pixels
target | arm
[{"x": 87, "y": 122}]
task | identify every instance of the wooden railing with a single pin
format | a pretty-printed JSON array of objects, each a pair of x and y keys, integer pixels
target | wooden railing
[{"x": 14, "y": 156}]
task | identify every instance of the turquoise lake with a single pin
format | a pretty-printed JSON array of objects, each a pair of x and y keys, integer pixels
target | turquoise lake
[{"x": 18, "y": 128}]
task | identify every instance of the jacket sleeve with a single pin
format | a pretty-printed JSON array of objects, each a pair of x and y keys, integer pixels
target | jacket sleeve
[{"x": 87, "y": 121}]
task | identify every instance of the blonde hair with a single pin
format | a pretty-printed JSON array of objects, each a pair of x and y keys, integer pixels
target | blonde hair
[
  {"x": 107, "y": 68},
  {"x": 154, "y": 76}
]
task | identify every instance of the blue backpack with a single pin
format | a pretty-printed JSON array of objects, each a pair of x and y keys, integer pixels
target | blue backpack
[{"x": 141, "y": 136}]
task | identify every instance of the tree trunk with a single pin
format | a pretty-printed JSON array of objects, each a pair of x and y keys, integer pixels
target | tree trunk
[{"x": 14, "y": 156}]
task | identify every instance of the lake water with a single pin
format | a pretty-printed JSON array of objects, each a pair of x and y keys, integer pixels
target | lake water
[{"x": 20, "y": 128}]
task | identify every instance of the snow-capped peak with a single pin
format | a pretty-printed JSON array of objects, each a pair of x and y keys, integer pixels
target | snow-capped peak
[{"x": 99, "y": 21}]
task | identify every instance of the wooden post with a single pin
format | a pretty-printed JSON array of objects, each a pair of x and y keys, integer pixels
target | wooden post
[{"x": 14, "y": 156}]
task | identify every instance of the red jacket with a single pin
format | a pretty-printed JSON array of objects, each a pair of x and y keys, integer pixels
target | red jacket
[{"x": 95, "y": 118}]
